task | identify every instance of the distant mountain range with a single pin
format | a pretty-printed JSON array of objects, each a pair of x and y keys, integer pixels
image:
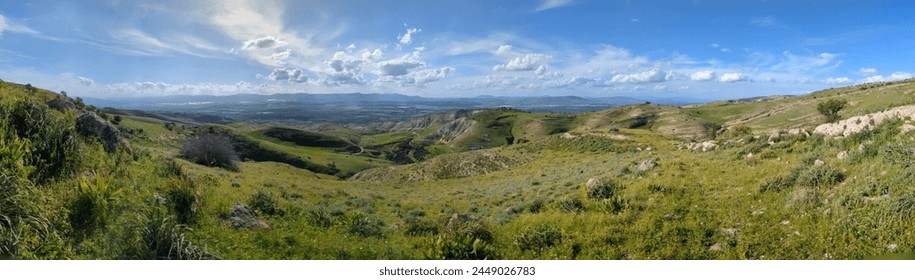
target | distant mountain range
[{"x": 303, "y": 108}]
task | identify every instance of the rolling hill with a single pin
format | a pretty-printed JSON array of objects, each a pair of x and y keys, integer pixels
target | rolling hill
[{"x": 739, "y": 179}]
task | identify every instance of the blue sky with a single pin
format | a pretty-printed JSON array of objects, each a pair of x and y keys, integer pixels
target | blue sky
[{"x": 698, "y": 49}]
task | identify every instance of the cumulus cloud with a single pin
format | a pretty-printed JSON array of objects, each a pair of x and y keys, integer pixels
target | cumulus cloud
[
  {"x": 896, "y": 76},
  {"x": 702, "y": 75},
  {"x": 400, "y": 66},
  {"x": 867, "y": 71},
  {"x": 290, "y": 75},
  {"x": 650, "y": 76},
  {"x": 407, "y": 38},
  {"x": 346, "y": 68},
  {"x": 504, "y": 50},
  {"x": 552, "y": 4},
  {"x": 528, "y": 62},
  {"x": 265, "y": 42},
  {"x": 838, "y": 81},
  {"x": 419, "y": 77},
  {"x": 280, "y": 57},
  {"x": 732, "y": 77},
  {"x": 86, "y": 81}
]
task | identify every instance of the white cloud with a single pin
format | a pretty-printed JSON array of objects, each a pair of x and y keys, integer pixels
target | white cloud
[
  {"x": 528, "y": 62},
  {"x": 346, "y": 68},
  {"x": 280, "y": 57},
  {"x": 660, "y": 87},
  {"x": 732, "y": 77},
  {"x": 799, "y": 64},
  {"x": 266, "y": 42},
  {"x": 504, "y": 50},
  {"x": 419, "y": 77},
  {"x": 7, "y": 25},
  {"x": 867, "y": 70},
  {"x": 896, "y": 76},
  {"x": 552, "y": 4},
  {"x": 702, "y": 75},
  {"x": 290, "y": 75},
  {"x": 407, "y": 38},
  {"x": 838, "y": 81},
  {"x": 650, "y": 76},
  {"x": 400, "y": 66},
  {"x": 86, "y": 81}
]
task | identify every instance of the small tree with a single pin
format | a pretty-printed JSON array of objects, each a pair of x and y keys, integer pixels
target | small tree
[
  {"x": 211, "y": 149},
  {"x": 830, "y": 108}
]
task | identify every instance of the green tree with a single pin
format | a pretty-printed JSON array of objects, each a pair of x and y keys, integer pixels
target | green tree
[{"x": 830, "y": 108}]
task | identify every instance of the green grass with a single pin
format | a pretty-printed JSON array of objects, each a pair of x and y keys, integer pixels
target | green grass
[{"x": 693, "y": 205}]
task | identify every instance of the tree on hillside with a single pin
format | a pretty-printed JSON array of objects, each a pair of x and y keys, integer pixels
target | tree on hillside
[{"x": 830, "y": 108}]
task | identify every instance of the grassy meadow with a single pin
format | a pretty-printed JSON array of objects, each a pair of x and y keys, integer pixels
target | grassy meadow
[{"x": 624, "y": 183}]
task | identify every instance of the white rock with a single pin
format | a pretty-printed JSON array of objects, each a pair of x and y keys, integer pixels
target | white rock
[{"x": 842, "y": 155}]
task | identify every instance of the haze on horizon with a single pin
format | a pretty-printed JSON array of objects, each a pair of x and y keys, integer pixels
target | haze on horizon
[{"x": 691, "y": 49}]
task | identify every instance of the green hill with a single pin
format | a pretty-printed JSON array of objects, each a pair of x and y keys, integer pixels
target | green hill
[{"x": 741, "y": 179}]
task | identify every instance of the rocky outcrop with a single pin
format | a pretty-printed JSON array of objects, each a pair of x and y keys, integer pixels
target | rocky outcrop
[
  {"x": 90, "y": 124},
  {"x": 854, "y": 125},
  {"x": 451, "y": 130},
  {"x": 61, "y": 104}
]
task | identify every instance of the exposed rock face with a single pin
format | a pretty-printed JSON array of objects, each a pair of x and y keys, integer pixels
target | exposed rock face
[
  {"x": 451, "y": 130},
  {"x": 243, "y": 216},
  {"x": 867, "y": 122},
  {"x": 90, "y": 124},
  {"x": 61, "y": 104}
]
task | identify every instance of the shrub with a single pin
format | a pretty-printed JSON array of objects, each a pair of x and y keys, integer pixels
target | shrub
[
  {"x": 777, "y": 183},
  {"x": 614, "y": 204},
  {"x": 183, "y": 200},
  {"x": 419, "y": 226},
  {"x": 90, "y": 209},
  {"x": 571, "y": 204},
  {"x": 365, "y": 225},
  {"x": 211, "y": 149},
  {"x": 159, "y": 238},
  {"x": 320, "y": 217},
  {"x": 460, "y": 247},
  {"x": 51, "y": 139},
  {"x": 830, "y": 108},
  {"x": 899, "y": 153},
  {"x": 820, "y": 175},
  {"x": 264, "y": 202},
  {"x": 538, "y": 238},
  {"x": 605, "y": 189}
]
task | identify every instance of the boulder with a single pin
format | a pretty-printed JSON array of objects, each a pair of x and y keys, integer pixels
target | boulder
[
  {"x": 90, "y": 124},
  {"x": 243, "y": 216},
  {"x": 61, "y": 104},
  {"x": 646, "y": 165}
]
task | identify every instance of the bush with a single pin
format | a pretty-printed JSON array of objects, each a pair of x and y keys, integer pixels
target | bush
[
  {"x": 605, "y": 189},
  {"x": 365, "y": 225},
  {"x": 183, "y": 200},
  {"x": 464, "y": 238},
  {"x": 614, "y": 204},
  {"x": 90, "y": 209},
  {"x": 777, "y": 183},
  {"x": 820, "y": 175},
  {"x": 538, "y": 238},
  {"x": 159, "y": 238},
  {"x": 211, "y": 149},
  {"x": 419, "y": 226},
  {"x": 572, "y": 204},
  {"x": 830, "y": 108},
  {"x": 320, "y": 217},
  {"x": 51, "y": 139},
  {"x": 264, "y": 202}
]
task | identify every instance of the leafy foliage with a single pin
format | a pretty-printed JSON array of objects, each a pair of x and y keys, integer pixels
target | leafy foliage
[
  {"x": 211, "y": 149},
  {"x": 830, "y": 108},
  {"x": 538, "y": 238}
]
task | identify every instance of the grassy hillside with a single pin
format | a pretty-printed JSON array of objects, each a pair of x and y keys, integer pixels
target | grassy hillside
[{"x": 635, "y": 182}]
